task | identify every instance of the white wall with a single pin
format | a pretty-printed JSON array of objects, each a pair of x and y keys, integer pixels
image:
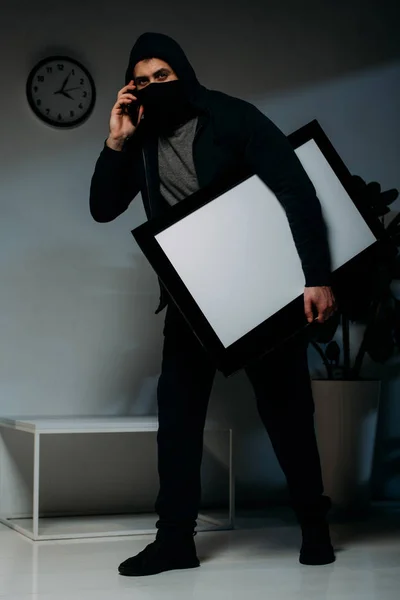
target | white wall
[{"x": 78, "y": 335}]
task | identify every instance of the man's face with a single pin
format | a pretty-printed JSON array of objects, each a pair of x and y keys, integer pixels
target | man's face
[{"x": 153, "y": 70}]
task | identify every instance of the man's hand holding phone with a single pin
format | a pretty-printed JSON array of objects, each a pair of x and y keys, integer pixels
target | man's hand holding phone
[{"x": 121, "y": 124}]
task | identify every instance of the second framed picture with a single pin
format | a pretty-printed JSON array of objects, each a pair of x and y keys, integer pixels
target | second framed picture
[{"x": 228, "y": 260}]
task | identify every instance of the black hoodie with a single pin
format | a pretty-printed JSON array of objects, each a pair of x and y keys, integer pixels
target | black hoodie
[{"x": 233, "y": 136}]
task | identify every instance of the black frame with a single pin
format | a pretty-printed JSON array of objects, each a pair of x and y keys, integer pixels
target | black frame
[
  {"x": 287, "y": 322},
  {"x": 47, "y": 120}
]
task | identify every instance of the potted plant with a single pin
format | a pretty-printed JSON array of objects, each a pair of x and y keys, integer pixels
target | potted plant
[{"x": 346, "y": 401}]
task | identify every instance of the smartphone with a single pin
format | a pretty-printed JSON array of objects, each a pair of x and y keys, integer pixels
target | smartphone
[
  {"x": 133, "y": 108},
  {"x": 133, "y": 111}
]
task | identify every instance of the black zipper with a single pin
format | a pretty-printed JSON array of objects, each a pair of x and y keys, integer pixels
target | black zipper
[
  {"x": 147, "y": 181},
  {"x": 196, "y": 135},
  {"x": 162, "y": 302},
  {"x": 198, "y": 131}
]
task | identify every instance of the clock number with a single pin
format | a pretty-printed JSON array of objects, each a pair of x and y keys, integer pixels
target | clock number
[
  {"x": 35, "y": 89},
  {"x": 59, "y": 117},
  {"x": 84, "y": 94},
  {"x": 82, "y": 81},
  {"x": 49, "y": 69},
  {"x": 60, "y": 67},
  {"x": 40, "y": 78},
  {"x": 71, "y": 113},
  {"x": 47, "y": 111},
  {"x": 81, "y": 106},
  {"x": 38, "y": 102},
  {"x": 73, "y": 71}
]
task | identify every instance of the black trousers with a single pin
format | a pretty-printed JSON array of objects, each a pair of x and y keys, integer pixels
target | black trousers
[{"x": 282, "y": 387}]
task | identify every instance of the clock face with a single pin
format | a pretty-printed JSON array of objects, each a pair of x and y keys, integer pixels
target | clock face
[{"x": 61, "y": 91}]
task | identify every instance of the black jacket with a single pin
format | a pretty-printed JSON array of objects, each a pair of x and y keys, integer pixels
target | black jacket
[{"x": 233, "y": 136}]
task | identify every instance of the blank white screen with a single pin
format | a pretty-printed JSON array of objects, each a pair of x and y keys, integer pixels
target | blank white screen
[{"x": 236, "y": 254}]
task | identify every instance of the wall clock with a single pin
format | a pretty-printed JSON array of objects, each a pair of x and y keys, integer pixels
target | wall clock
[{"x": 61, "y": 91}]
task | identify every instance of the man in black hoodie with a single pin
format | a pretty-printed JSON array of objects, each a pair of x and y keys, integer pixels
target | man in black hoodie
[{"x": 169, "y": 137}]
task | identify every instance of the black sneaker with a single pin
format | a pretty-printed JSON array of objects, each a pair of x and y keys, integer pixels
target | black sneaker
[
  {"x": 316, "y": 548},
  {"x": 162, "y": 555}
]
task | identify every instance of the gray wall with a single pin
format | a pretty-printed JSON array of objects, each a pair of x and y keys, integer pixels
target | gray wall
[{"x": 78, "y": 335}]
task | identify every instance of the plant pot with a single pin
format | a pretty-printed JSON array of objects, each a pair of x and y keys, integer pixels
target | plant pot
[{"x": 346, "y": 415}]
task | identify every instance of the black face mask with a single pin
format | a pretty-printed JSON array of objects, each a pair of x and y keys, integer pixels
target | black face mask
[{"x": 166, "y": 106}]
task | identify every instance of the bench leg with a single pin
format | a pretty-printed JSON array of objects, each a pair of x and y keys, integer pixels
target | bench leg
[
  {"x": 231, "y": 482},
  {"x": 36, "y": 482}
]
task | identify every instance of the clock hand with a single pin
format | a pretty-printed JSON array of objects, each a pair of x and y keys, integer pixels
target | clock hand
[
  {"x": 74, "y": 88},
  {"x": 66, "y": 95},
  {"x": 65, "y": 81},
  {"x": 62, "y": 93},
  {"x": 64, "y": 84}
]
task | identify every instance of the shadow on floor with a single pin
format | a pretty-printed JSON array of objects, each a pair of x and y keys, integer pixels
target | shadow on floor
[{"x": 275, "y": 533}]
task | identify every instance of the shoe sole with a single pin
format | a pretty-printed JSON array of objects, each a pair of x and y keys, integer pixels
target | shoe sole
[
  {"x": 138, "y": 574},
  {"x": 327, "y": 561}
]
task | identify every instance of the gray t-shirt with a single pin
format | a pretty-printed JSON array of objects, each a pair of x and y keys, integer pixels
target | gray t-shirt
[{"x": 178, "y": 178}]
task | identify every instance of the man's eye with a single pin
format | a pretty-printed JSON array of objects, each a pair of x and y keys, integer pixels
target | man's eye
[{"x": 162, "y": 76}]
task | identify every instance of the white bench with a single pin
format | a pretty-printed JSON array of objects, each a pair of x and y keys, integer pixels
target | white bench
[{"x": 16, "y": 484}]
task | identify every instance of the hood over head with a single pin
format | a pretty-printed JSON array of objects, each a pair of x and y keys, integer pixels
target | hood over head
[
  {"x": 170, "y": 104},
  {"x": 158, "y": 45}
]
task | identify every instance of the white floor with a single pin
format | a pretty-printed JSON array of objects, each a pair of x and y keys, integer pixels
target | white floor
[{"x": 257, "y": 561}]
